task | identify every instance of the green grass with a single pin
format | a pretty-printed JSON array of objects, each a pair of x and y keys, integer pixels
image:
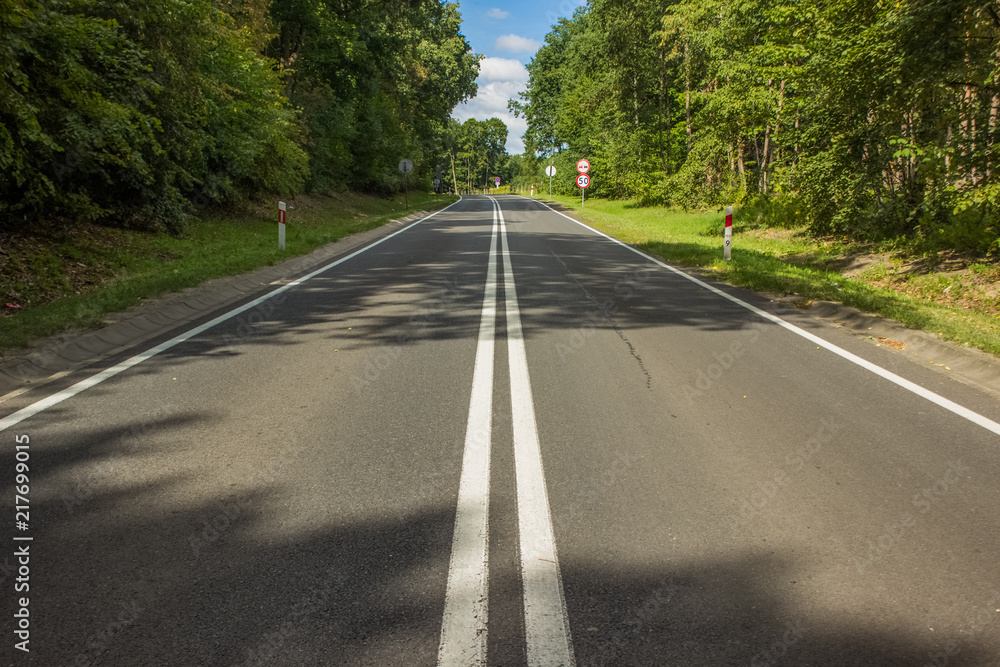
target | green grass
[
  {"x": 124, "y": 267},
  {"x": 761, "y": 261}
]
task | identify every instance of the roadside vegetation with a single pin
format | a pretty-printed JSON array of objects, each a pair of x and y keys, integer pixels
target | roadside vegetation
[
  {"x": 143, "y": 144},
  {"x": 857, "y": 141},
  {"x": 943, "y": 293},
  {"x": 873, "y": 120},
  {"x": 140, "y": 114},
  {"x": 65, "y": 278}
]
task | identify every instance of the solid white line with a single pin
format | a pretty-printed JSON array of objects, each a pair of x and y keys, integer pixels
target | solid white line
[
  {"x": 463, "y": 628},
  {"x": 83, "y": 385},
  {"x": 937, "y": 399},
  {"x": 545, "y": 618}
]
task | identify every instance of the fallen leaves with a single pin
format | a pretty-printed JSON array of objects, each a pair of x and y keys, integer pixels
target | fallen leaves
[{"x": 894, "y": 344}]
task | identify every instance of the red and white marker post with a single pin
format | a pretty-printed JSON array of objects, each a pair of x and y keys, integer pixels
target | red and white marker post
[
  {"x": 281, "y": 225},
  {"x": 726, "y": 253},
  {"x": 532, "y": 191}
]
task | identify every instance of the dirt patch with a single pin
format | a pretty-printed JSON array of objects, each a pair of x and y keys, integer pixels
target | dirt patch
[
  {"x": 772, "y": 233},
  {"x": 48, "y": 263},
  {"x": 894, "y": 344},
  {"x": 974, "y": 287},
  {"x": 949, "y": 278}
]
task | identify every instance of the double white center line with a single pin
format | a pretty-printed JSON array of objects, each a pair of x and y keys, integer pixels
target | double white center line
[{"x": 463, "y": 630}]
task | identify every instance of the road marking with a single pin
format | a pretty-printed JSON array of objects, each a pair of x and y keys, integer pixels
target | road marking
[
  {"x": 937, "y": 399},
  {"x": 463, "y": 628},
  {"x": 545, "y": 619},
  {"x": 83, "y": 385}
]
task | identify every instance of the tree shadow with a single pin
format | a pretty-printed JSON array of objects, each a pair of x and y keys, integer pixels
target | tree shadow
[{"x": 151, "y": 573}]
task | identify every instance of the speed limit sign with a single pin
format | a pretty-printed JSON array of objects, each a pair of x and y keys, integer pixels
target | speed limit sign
[{"x": 582, "y": 181}]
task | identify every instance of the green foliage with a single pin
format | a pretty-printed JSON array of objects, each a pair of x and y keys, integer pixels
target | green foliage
[
  {"x": 377, "y": 81},
  {"x": 476, "y": 154},
  {"x": 140, "y": 113},
  {"x": 880, "y": 118}
]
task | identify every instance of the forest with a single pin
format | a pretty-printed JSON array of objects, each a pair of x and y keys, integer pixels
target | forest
[
  {"x": 871, "y": 119},
  {"x": 139, "y": 114}
]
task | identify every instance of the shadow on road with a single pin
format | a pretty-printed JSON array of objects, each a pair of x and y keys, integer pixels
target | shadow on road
[{"x": 170, "y": 569}]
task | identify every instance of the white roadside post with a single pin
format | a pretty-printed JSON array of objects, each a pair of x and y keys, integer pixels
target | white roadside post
[
  {"x": 550, "y": 171},
  {"x": 532, "y": 190},
  {"x": 729, "y": 233},
  {"x": 282, "y": 207}
]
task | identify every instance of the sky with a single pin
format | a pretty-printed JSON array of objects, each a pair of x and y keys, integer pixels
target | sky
[{"x": 508, "y": 34}]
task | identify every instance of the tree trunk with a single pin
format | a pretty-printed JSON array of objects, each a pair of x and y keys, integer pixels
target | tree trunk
[
  {"x": 687, "y": 93},
  {"x": 739, "y": 161},
  {"x": 635, "y": 111},
  {"x": 454, "y": 176},
  {"x": 763, "y": 161},
  {"x": 732, "y": 166},
  {"x": 777, "y": 125},
  {"x": 994, "y": 104},
  {"x": 659, "y": 123}
]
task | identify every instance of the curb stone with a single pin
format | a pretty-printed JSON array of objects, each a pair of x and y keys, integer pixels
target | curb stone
[{"x": 973, "y": 367}]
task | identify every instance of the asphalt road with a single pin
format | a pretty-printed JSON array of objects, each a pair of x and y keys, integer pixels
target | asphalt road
[{"x": 499, "y": 438}]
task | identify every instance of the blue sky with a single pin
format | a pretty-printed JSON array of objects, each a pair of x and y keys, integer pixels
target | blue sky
[{"x": 508, "y": 34}]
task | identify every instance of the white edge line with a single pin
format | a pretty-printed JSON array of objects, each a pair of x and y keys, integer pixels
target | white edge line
[
  {"x": 463, "y": 625},
  {"x": 937, "y": 399},
  {"x": 83, "y": 385},
  {"x": 546, "y": 619}
]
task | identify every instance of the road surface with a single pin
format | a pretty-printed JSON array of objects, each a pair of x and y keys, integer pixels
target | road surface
[{"x": 500, "y": 438}]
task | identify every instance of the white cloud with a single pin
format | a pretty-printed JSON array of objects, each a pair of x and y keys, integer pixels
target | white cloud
[
  {"x": 501, "y": 69},
  {"x": 516, "y": 44},
  {"x": 498, "y": 14},
  {"x": 500, "y": 79}
]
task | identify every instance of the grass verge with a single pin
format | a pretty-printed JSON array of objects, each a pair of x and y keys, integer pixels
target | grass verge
[
  {"x": 70, "y": 278},
  {"x": 788, "y": 262}
]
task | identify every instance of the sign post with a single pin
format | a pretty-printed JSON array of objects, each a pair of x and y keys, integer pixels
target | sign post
[
  {"x": 726, "y": 253},
  {"x": 282, "y": 207},
  {"x": 582, "y": 182},
  {"x": 550, "y": 171},
  {"x": 406, "y": 166}
]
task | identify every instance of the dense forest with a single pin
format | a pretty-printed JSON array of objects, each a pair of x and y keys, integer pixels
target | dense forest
[
  {"x": 862, "y": 117},
  {"x": 478, "y": 154},
  {"x": 140, "y": 113}
]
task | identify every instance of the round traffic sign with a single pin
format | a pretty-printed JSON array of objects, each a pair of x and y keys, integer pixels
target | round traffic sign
[
  {"x": 583, "y": 167},
  {"x": 497, "y": 181},
  {"x": 406, "y": 165},
  {"x": 582, "y": 181},
  {"x": 550, "y": 171}
]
